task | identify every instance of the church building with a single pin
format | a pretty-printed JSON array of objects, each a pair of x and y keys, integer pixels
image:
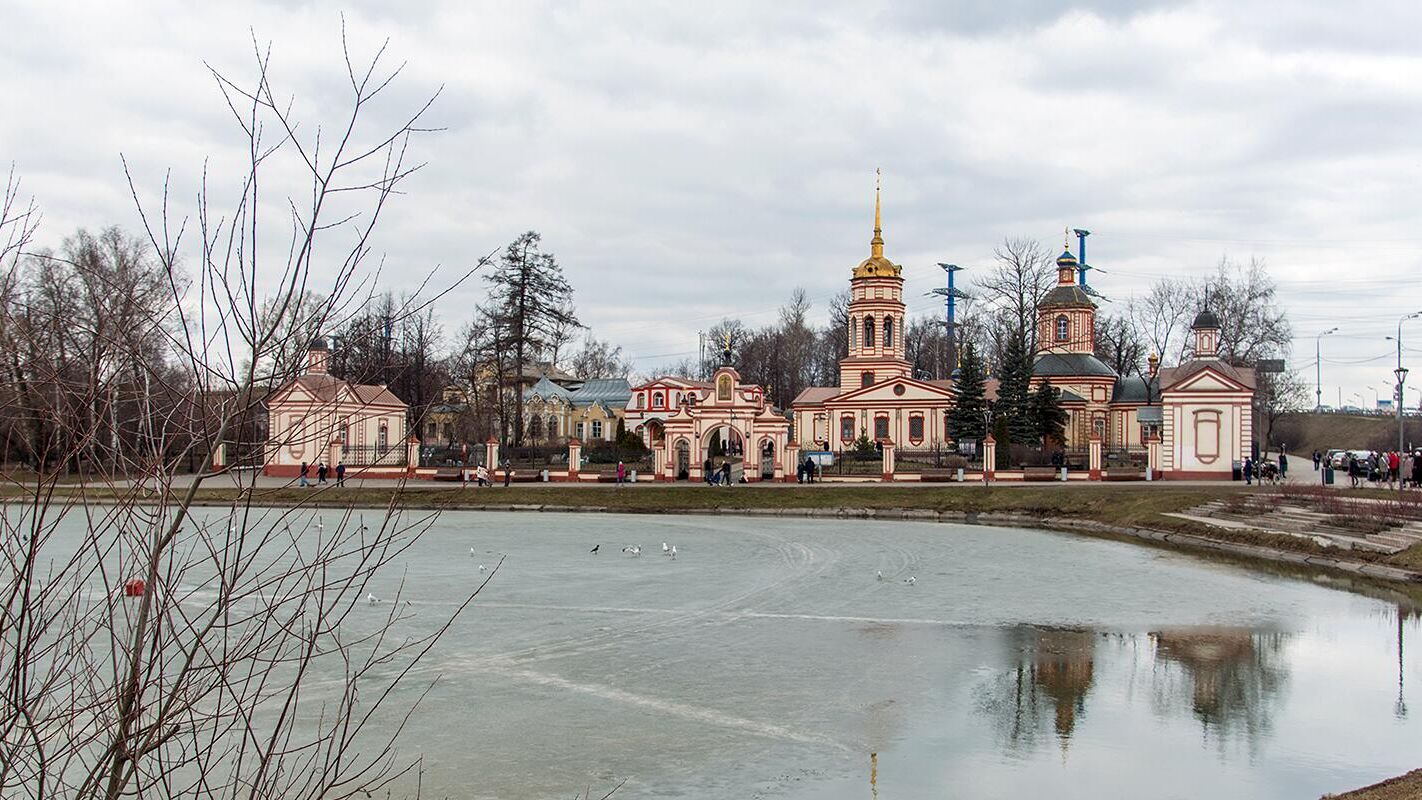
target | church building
[{"x": 1198, "y": 414}]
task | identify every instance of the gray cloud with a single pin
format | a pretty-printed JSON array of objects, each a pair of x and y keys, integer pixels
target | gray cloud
[{"x": 697, "y": 161}]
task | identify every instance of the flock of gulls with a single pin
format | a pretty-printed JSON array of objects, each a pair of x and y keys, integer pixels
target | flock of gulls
[{"x": 635, "y": 550}]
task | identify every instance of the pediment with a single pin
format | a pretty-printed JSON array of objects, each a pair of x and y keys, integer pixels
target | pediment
[
  {"x": 1208, "y": 380},
  {"x": 887, "y": 391}
]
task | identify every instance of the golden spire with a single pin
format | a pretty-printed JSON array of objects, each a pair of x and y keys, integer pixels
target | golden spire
[{"x": 876, "y": 245}]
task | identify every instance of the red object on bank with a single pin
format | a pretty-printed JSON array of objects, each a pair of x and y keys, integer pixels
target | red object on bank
[{"x": 134, "y": 587}]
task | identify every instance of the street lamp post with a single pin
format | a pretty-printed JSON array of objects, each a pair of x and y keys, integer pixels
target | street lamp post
[
  {"x": 1401, "y": 373},
  {"x": 1318, "y": 367}
]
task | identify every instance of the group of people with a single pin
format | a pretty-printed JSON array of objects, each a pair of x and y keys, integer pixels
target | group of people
[
  {"x": 718, "y": 476},
  {"x": 483, "y": 478},
  {"x": 1389, "y": 467},
  {"x": 322, "y": 472},
  {"x": 1265, "y": 469},
  {"x": 805, "y": 473}
]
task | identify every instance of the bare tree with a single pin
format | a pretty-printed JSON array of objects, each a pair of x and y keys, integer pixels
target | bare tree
[
  {"x": 598, "y": 359},
  {"x": 1162, "y": 316},
  {"x": 1023, "y": 275},
  {"x": 1119, "y": 344},
  {"x": 240, "y": 665}
]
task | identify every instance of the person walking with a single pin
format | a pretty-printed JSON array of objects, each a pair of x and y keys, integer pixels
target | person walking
[
  {"x": 1283, "y": 467},
  {"x": 321, "y": 472},
  {"x": 621, "y": 473},
  {"x": 305, "y": 470},
  {"x": 1248, "y": 471},
  {"x": 726, "y": 473},
  {"x": 341, "y": 473},
  {"x": 1317, "y": 460},
  {"x": 1394, "y": 467},
  {"x": 508, "y": 474},
  {"x": 481, "y": 475}
]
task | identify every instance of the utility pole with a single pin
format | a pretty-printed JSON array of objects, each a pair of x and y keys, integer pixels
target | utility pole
[
  {"x": 1401, "y": 373},
  {"x": 951, "y": 295}
]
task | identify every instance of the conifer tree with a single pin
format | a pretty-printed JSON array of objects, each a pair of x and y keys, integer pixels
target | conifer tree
[
  {"x": 1014, "y": 402},
  {"x": 1048, "y": 415},
  {"x": 965, "y": 420}
]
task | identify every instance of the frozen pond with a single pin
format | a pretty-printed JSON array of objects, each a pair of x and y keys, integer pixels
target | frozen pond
[{"x": 768, "y": 660}]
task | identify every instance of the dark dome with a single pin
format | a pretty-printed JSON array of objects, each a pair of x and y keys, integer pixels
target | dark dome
[
  {"x": 1205, "y": 319},
  {"x": 317, "y": 344},
  {"x": 1066, "y": 258}
]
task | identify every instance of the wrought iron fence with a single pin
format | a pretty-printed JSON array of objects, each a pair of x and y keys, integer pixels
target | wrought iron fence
[{"x": 373, "y": 455}]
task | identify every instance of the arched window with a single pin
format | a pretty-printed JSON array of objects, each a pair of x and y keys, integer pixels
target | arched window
[
  {"x": 641, "y": 400},
  {"x": 535, "y": 427},
  {"x": 552, "y": 427},
  {"x": 888, "y": 331},
  {"x": 866, "y": 379},
  {"x": 868, "y": 331},
  {"x": 1063, "y": 328},
  {"x": 657, "y": 401}
]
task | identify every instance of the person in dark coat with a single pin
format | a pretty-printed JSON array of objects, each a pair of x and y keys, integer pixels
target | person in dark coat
[
  {"x": 508, "y": 474},
  {"x": 321, "y": 472},
  {"x": 1248, "y": 471},
  {"x": 1283, "y": 466},
  {"x": 341, "y": 473},
  {"x": 305, "y": 470}
]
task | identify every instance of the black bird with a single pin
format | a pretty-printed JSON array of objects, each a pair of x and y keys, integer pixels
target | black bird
[{"x": 595, "y": 547}]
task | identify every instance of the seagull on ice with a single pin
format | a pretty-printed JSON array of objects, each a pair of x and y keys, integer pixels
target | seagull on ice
[
  {"x": 471, "y": 552},
  {"x": 634, "y": 549},
  {"x": 665, "y": 550},
  {"x": 595, "y": 548},
  {"x": 672, "y": 553},
  {"x": 879, "y": 574},
  {"x": 372, "y": 599},
  {"x": 482, "y": 568},
  {"x": 911, "y": 580}
]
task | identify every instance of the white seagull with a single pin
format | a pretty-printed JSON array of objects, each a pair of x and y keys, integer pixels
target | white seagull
[
  {"x": 471, "y": 552},
  {"x": 879, "y": 574},
  {"x": 665, "y": 550},
  {"x": 634, "y": 549},
  {"x": 911, "y": 580},
  {"x": 673, "y": 552},
  {"x": 372, "y": 599},
  {"x": 482, "y": 568}
]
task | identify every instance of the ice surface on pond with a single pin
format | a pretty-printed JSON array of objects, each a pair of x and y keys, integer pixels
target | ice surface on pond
[{"x": 771, "y": 657}]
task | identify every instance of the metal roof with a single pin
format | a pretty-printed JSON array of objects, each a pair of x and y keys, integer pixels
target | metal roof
[
  {"x": 611, "y": 392},
  {"x": 1061, "y": 365}
]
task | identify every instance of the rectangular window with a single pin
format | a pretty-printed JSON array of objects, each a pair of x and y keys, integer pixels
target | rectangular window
[
  {"x": 597, "y": 429},
  {"x": 846, "y": 428},
  {"x": 578, "y": 431},
  {"x": 881, "y": 427},
  {"x": 916, "y": 427}
]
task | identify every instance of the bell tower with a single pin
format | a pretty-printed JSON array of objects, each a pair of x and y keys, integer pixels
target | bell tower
[
  {"x": 1066, "y": 315},
  {"x": 876, "y": 315}
]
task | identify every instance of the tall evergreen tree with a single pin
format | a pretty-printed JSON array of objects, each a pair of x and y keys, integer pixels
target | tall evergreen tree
[
  {"x": 965, "y": 420},
  {"x": 531, "y": 301},
  {"x": 1014, "y": 405},
  {"x": 1048, "y": 416}
]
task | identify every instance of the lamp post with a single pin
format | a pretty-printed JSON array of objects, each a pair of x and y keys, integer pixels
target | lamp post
[
  {"x": 1401, "y": 373},
  {"x": 1318, "y": 367},
  {"x": 1376, "y": 396}
]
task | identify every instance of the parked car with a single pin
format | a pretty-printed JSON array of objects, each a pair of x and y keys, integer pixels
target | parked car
[{"x": 1337, "y": 459}]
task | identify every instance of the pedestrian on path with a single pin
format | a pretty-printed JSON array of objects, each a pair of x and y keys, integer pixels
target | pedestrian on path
[
  {"x": 508, "y": 474},
  {"x": 341, "y": 473},
  {"x": 305, "y": 470},
  {"x": 1283, "y": 467},
  {"x": 1248, "y": 471},
  {"x": 621, "y": 473},
  {"x": 1317, "y": 460},
  {"x": 726, "y": 473},
  {"x": 321, "y": 472}
]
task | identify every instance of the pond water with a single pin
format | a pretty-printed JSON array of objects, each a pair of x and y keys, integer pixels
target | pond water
[{"x": 769, "y": 659}]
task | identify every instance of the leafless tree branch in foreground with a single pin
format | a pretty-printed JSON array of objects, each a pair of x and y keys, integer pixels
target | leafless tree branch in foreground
[{"x": 254, "y": 661}]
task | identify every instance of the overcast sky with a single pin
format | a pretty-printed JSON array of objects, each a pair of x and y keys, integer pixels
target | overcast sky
[{"x": 701, "y": 160}]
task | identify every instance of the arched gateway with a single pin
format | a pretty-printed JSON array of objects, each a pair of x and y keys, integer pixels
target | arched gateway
[{"x": 713, "y": 423}]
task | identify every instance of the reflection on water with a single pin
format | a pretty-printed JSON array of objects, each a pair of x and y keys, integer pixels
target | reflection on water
[
  {"x": 1230, "y": 679},
  {"x": 1236, "y": 676}
]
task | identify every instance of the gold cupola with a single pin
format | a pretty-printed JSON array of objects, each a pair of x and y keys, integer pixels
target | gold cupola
[{"x": 876, "y": 266}]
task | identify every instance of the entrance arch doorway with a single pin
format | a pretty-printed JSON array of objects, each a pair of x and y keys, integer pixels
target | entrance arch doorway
[
  {"x": 682, "y": 453},
  {"x": 767, "y": 459}
]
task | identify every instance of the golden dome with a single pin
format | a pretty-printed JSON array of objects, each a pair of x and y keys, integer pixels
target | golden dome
[{"x": 876, "y": 266}]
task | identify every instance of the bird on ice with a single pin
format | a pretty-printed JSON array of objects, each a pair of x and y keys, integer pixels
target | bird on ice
[
  {"x": 471, "y": 552},
  {"x": 672, "y": 553},
  {"x": 634, "y": 549},
  {"x": 911, "y": 580},
  {"x": 372, "y": 599},
  {"x": 879, "y": 574},
  {"x": 482, "y": 568},
  {"x": 665, "y": 550},
  {"x": 595, "y": 548}
]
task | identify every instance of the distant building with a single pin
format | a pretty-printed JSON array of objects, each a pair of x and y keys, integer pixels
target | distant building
[
  {"x": 320, "y": 418},
  {"x": 588, "y": 411},
  {"x": 1200, "y": 409}
]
